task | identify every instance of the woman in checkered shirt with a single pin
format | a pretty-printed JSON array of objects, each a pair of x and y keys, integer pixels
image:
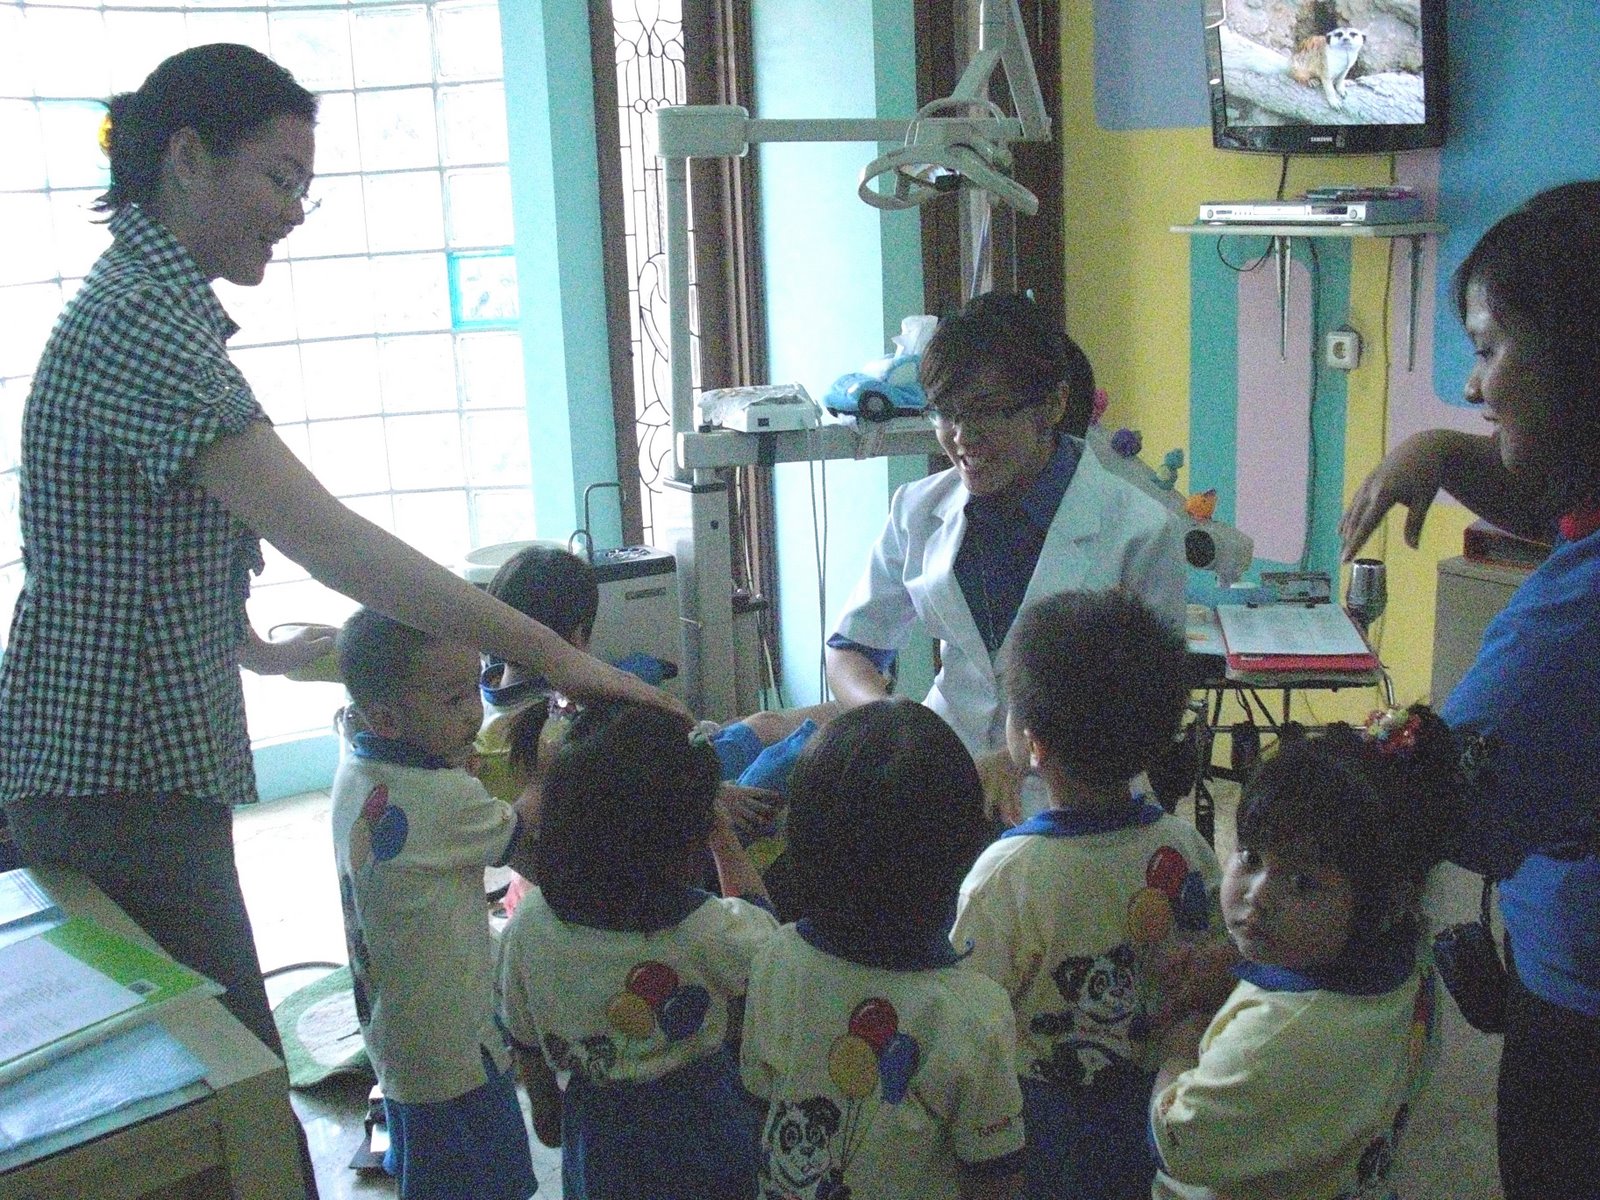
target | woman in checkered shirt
[{"x": 149, "y": 472}]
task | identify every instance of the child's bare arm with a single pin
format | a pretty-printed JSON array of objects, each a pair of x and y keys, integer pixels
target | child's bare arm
[
  {"x": 544, "y": 1095},
  {"x": 974, "y": 1185},
  {"x": 521, "y": 857},
  {"x": 736, "y": 874}
]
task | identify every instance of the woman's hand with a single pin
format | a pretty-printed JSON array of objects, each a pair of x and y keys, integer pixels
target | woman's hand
[
  {"x": 1466, "y": 465},
  {"x": 302, "y": 647},
  {"x": 1411, "y": 474},
  {"x": 586, "y": 679}
]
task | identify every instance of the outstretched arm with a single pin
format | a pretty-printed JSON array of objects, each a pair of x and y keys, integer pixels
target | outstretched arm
[
  {"x": 1466, "y": 465},
  {"x": 260, "y": 481},
  {"x": 736, "y": 874},
  {"x": 300, "y": 649}
]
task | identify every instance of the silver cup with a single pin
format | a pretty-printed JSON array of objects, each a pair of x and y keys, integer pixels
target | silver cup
[{"x": 1367, "y": 593}]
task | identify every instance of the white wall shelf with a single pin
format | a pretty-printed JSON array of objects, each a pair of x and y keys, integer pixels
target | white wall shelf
[{"x": 1282, "y": 242}]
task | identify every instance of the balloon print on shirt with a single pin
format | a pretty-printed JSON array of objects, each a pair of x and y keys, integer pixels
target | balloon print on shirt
[
  {"x": 1173, "y": 895},
  {"x": 379, "y": 833},
  {"x": 652, "y": 998},
  {"x": 809, "y": 1145}
]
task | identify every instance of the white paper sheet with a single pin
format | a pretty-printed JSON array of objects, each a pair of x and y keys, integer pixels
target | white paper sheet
[
  {"x": 109, "y": 1076},
  {"x": 46, "y": 994},
  {"x": 1290, "y": 629}
]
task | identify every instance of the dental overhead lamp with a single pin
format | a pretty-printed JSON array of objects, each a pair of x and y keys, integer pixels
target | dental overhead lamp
[{"x": 962, "y": 140}]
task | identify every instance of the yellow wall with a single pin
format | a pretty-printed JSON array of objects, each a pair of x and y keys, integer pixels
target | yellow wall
[{"x": 1127, "y": 284}]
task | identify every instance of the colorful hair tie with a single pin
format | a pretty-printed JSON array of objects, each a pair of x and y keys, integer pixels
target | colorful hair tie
[
  {"x": 1393, "y": 730},
  {"x": 104, "y": 136},
  {"x": 1476, "y": 758}
]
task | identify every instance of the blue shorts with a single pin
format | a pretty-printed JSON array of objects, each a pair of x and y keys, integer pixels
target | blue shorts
[
  {"x": 474, "y": 1147},
  {"x": 1090, "y": 1145},
  {"x": 691, "y": 1135}
]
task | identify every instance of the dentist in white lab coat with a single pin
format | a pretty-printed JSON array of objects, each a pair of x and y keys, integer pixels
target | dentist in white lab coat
[{"x": 1025, "y": 510}]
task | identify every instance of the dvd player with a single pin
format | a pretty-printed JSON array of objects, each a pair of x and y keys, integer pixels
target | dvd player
[{"x": 1384, "y": 211}]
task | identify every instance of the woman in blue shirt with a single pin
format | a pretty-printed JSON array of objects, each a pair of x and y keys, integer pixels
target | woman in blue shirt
[{"x": 1529, "y": 296}]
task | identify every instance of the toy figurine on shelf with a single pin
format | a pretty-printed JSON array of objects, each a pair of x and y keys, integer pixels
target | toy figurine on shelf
[
  {"x": 1167, "y": 472},
  {"x": 1201, "y": 505}
]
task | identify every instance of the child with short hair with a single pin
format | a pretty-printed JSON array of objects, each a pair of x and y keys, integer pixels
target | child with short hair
[
  {"x": 1078, "y": 911},
  {"x": 618, "y": 969},
  {"x": 1301, "y": 1085},
  {"x": 557, "y": 589},
  {"x": 561, "y": 590},
  {"x": 412, "y": 833},
  {"x": 886, "y": 1063}
]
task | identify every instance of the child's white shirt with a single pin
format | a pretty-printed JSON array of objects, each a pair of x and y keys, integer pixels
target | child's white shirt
[
  {"x": 882, "y": 1080},
  {"x": 411, "y": 843},
  {"x": 1072, "y": 914},
  {"x": 1298, "y": 1095},
  {"x": 624, "y": 1006}
]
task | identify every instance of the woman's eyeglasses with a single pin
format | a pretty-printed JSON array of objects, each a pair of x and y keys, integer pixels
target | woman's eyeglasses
[
  {"x": 981, "y": 416},
  {"x": 291, "y": 189}
]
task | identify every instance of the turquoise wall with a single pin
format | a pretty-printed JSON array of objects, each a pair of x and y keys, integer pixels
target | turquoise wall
[
  {"x": 839, "y": 277},
  {"x": 556, "y": 207}
]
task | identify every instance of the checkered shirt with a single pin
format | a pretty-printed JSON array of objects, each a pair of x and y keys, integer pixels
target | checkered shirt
[{"x": 121, "y": 674}]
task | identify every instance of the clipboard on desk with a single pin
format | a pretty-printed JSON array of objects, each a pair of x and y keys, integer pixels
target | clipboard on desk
[{"x": 1294, "y": 639}]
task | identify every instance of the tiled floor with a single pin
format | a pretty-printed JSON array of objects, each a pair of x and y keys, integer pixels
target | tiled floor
[{"x": 286, "y": 866}]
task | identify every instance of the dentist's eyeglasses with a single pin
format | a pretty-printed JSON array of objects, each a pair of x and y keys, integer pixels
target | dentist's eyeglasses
[{"x": 981, "y": 416}]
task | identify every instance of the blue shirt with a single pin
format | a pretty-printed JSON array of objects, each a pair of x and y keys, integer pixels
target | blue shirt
[
  {"x": 999, "y": 551},
  {"x": 1534, "y": 813}
]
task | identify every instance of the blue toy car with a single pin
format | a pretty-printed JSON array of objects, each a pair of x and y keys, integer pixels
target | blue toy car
[{"x": 895, "y": 393}]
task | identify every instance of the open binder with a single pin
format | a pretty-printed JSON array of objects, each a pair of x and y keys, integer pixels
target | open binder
[{"x": 1294, "y": 638}]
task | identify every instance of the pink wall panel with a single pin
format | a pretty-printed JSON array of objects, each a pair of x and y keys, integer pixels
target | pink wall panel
[{"x": 1274, "y": 413}]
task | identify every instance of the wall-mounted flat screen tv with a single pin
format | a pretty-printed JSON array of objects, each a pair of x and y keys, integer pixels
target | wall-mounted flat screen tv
[{"x": 1326, "y": 76}]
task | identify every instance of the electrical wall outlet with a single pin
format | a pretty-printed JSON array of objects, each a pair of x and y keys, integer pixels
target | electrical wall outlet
[{"x": 1342, "y": 351}]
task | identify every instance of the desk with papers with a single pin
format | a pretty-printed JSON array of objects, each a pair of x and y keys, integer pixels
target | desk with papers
[
  {"x": 229, "y": 1135},
  {"x": 1216, "y": 674}
]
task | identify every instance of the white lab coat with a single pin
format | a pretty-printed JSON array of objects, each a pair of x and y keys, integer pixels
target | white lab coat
[{"x": 1106, "y": 532}]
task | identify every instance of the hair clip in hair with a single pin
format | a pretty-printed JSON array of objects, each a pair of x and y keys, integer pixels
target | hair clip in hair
[
  {"x": 104, "y": 136},
  {"x": 1477, "y": 755},
  {"x": 703, "y": 732},
  {"x": 1393, "y": 730}
]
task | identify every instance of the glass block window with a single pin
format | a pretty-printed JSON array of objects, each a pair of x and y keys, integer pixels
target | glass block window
[{"x": 383, "y": 340}]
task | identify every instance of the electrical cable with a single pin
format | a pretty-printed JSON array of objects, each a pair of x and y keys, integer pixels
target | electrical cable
[
  {"x": 819, "y": 544},
  {"x": 1311, "y": 411},
  {"x": 1243, "y": 270},
  {"x": 1283, "y": 176}
]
